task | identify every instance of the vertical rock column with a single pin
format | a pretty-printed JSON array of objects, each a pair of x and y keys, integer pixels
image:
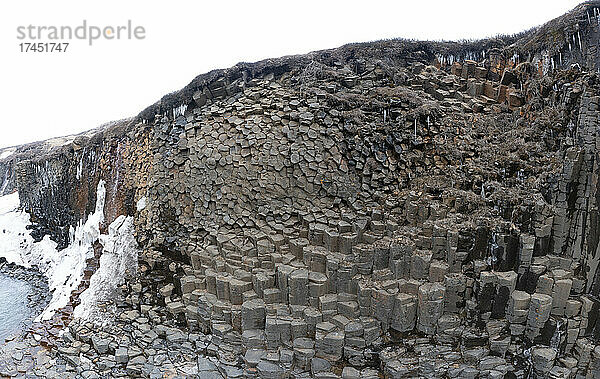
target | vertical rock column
[
  {"x": 539, "y": 312},
  {"x": 431, "y": 307},
  {"x": 518, "y": 309}
]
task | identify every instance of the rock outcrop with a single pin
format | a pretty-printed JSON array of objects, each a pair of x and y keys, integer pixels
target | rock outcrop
[{"x": 399, "y": 208}]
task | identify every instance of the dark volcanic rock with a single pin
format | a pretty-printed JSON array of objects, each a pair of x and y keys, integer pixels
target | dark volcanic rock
[{"x": 405, "y": 208}]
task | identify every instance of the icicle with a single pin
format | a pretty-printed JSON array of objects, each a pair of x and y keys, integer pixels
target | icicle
[
  {"x": 179, "y": 111},
  {"x": 556, "y": 337},
  {"x": 483, "y": 191},
  {"x": 415, "y": 129},
  {"x": 441, "y": 58},
  {"x": 4, "y": 182},
  {"x": 428, "y": 123},
  {"x": 493, "y": 248},
  {"x": 560, "y": 58},
  {"x": 579, "y": 37},
  {"x": 79, "y": 168}
]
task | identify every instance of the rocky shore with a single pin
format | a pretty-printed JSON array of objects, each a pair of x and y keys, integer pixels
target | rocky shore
[{"x": 20, "y": 353}]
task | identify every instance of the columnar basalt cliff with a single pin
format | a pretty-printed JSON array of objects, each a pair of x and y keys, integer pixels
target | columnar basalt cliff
[{"x": 410, "y": 209}]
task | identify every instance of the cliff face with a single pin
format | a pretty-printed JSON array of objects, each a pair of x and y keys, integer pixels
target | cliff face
[
  {"x": 7, "y": 172},
  {"x": 401, "y": 188},
  {"x": 57, "y": 179}
]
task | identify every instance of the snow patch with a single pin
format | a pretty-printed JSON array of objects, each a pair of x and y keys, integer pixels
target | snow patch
[
  {"x": 13, "y": 235},
  {"x": 7, "y": 153},
  {"x": 118, "y": 260},
  {"x": 141, "y": 204}
]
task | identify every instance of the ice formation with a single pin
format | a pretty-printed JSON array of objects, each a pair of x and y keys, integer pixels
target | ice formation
[
  {"x": 141, "y": 204},
  {"x": 119, "y": 258},
  {"x": 4, "y": 182},
  {"x": 180, "y": 110},
  {"x": 79, "y": 168},
  {"x": 64, "y": 269}
]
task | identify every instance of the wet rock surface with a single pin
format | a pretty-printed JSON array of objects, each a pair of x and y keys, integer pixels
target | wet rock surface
[{"x": 389, "y": 209}]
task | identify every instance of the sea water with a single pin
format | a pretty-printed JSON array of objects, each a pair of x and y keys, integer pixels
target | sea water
[{"x": 14, "y": 309}]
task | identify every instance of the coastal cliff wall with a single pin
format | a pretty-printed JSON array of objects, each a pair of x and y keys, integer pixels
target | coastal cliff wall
[{"x": 349, "y": 200}]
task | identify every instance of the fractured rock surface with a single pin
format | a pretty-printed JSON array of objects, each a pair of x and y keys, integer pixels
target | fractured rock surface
[{"x": 395, "y": 208}]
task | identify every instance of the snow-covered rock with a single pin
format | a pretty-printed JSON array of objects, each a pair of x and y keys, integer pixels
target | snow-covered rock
[
  {"x": 119, "y": 258},
  {"x": 64, "y": 269}
]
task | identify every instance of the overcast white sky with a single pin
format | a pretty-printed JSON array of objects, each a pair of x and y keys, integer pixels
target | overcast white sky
[{"x": 45, "y": 95}]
